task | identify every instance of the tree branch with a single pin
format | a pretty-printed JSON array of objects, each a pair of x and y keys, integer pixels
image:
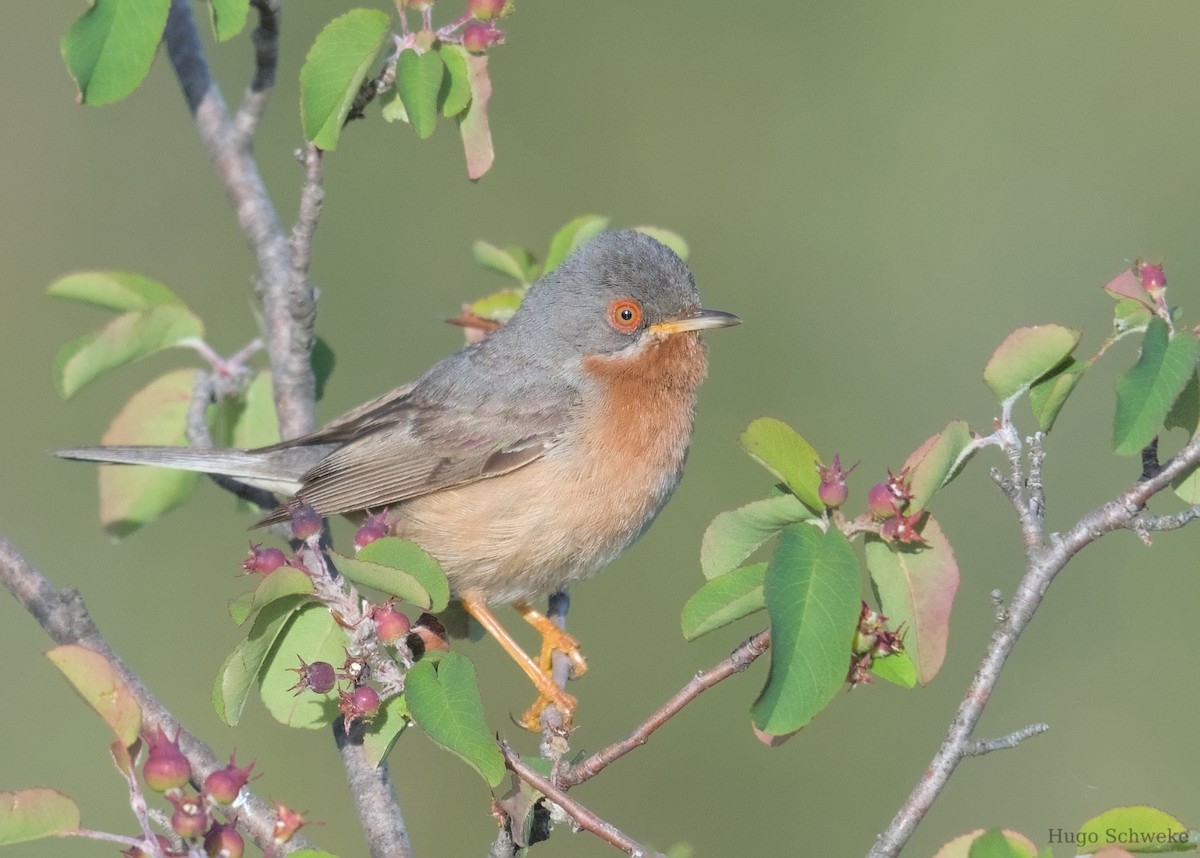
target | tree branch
[
  {"x": 266, "y": 60},
  {"x": 1043, "y": 566},
  {"x": 583, "y": 817},
  {"x": 65, "y": 618},
  {"x": 288, "y": 312},
  {"x": 738, "y": 660},
  {"x": 371, "y": 787}
]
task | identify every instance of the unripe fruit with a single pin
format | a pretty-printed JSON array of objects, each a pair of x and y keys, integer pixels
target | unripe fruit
[
  {"x": 190, "y": 817},
  {"x": 375, "y": 527},
  {"x": 166, "y": 767},
  {"x": 318, "y": 677},
  {"x": 476, "y": 38},
  {"x": 224, "y": 842},
  {"x": 880, "y": 501},
  {"x": 223, "y": 785},
  {"x": 305, "y": 521},
  {"x": 264, "y": 561},
  {"x": 486, "y": 10},
  {"x": 390, "y": 624}
]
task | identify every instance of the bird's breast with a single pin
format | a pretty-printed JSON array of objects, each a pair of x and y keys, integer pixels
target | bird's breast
[{"x": 561, "y": 518}]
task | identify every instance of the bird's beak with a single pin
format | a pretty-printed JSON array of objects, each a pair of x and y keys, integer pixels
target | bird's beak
[{"x": 702, "y": 320}]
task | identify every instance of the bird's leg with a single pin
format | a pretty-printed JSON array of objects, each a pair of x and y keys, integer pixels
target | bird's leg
[
  {"x": 553, "y": 638},
  {"x": 548, "y": 691}
]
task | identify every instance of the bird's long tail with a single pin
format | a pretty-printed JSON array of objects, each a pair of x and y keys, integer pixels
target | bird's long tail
[{"x": 277, "y": 471}]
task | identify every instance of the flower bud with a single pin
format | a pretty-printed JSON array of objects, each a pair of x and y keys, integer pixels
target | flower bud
[{"x": 289, "y": 822}]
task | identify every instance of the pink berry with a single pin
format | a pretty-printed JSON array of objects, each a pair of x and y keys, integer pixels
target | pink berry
[
  {"x": 223, "y": 785},
  {"x": 305, "y": 521},
  {"x": 264, "y": 561},
  {"x": 190, "y": 817},
  {"x": 375, "y": 527},
  {"x": 476, "y": 38},
  {"x": 832, "y": 490},
  {"x": 390, "y": 624},
  {"x": 362, "y": 702},
  {"x": 486, "y": 10},
  {"x": 318, "y": 677},
  {"x": 224, "y": 842},
  {"x": 166, "y": 767}
]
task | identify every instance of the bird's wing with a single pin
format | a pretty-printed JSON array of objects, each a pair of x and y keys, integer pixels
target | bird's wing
[{"x": 397, "y": 448}]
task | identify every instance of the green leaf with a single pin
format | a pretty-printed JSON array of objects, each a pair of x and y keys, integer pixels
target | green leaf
[
  {"x": 312, "y": 635},
  {"x": 128, "y": 337},
  {"x": 243, "y": 666},
  {"x": 393, "y": 110},
  {"x": 1185, "y": 413},
  {"x": 418, "y": 80},
  {"x": 323, "y": 362},
  {"x": 964, "y": 845},
  {"x": 94, "y": 678},
  {"x": 31, "y": 814},
  {"x": 916, "y": 587},
  {"x": 1131, "y": 315},
  {"x": 334, "y": 70},
  {"x": 228, "y": 17},
  {"x": 571, "y": 237},
  {"x": 283, "y": 582},
  {"x": 399, "y": 568},
  {"x": 445, "y": 704},
  {"x": 778, "y": 448},
  {"x": 1146, "y": 392},
  {"x": 897, "y": 668},
  {"x": 735, "y": 535},
  {"x": 515, "y": 262},
  {"x": 113, "y": 290},
  {"x": 110, "y": 47},
  {"x": 724, "y": 599},
  {"x": 996, "y": 844},
  {"x": 1026, "y": 355},
  {"x": 1049, "y": 394},
  {"x": 499, "y": 306},
  {"x": 385, "y": 728},
  {"x": 257, "y": 425},
  {"x": 936, "y": 462},
  {"x": 473, "y": 123},
  {"x": 668, "y": 237},
  {"x": 1143, "y": 829},
  {"x": 813, "y": 598},
  {"x": 455, "y": 93},
  {"x": 132, "y": 497}
]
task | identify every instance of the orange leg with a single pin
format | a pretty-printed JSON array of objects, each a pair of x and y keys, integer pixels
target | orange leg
[
  {"x": 548, "y": 690},
  {"x": 553, "y": 638}
]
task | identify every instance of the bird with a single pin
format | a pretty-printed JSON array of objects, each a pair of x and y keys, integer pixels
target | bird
[{"x": 525, "y": 462}]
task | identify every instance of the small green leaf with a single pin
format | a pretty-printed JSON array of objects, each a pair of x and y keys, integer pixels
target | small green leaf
[
  {"x": 94, "y": 678},
  {"x": 916, "y": 587},
  {"x": 312, "y": 635},
  {"x": 779, "y": 449},
  {"x": 936, "y": 462},
  {"x": 400, "y": 568},
  {"x": 418, "y": 80},
  {"x": 110, "y": 47},
  {"x": 334, "y": 70},
  {"x": 813, "y": 597},
  {"x": 31, "y": 814},
  {"x": 724, "y": 599},
  {"x": 228, "y": 17},
  {"x": 445, "y": 704},
  {"x": 113, "y": 290},
  {"x": 515, "y": 262},
  {"x": 996, "y": 844},
  {"x": 1144, "y": 829},
  {"x": 473, "y": 123},
  {"x": 1185, "y": 413},
  {"x": 668, "y": 237},
  {"x": 256, "y": 424},
  {"x": 1026, "y": 355},
  {"x": 132, "y": 497},
  {"x": 735, "y": 535},
  {"x": 455, "y": 93},
  {"x": 897, "y": 668},
  {"x": 1146, "y": 392},
  {"x": 571, "y": 237},
  {"x": 385, "y": 728},
  {"x": 243, "y": 666},
  {"x": 1130, "y": 315},
  {"x": 1049, "y": 394},
  {"x": 499, "y": 306},
  {"x": 283, "y": 582},
  {"x": 393, "y": 110},
  {"x": 129, "y": 337},
  {"x": 963, "y": 846}
]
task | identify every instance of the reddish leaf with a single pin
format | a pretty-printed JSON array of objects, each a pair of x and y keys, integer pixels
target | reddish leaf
[{"x": 98, "y": 683}]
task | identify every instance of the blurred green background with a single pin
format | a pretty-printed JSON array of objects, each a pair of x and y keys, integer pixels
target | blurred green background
[{"x": 881, "y": 190}]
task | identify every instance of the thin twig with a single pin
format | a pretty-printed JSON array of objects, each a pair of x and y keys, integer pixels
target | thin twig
[
  {"x": 583, "y": 817},
  {"x": 64, "y": 617},
  {"x": 1164, "y": 522},
  {"x": 266, "y": 59},
  {"x": 738, "y": 660},
  {"x": 287, "y": 316},
  {"x": 1003, "y": 743},
  {"x": 1043, "y": 565},
  {"x": 554, "y": 730},
  {"x": 371, "y": 788}
]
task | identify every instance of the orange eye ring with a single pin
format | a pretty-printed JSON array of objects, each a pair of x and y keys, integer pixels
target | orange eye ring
[{"x": 625, "y": 314}]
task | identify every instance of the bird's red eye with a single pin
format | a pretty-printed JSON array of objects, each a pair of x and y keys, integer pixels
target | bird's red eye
[{"x": 625, "y": 315}]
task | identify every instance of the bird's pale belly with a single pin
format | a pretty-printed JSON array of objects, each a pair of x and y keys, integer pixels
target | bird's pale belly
[{"x": 558, "y": 520}]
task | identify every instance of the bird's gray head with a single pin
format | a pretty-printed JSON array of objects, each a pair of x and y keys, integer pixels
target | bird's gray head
[{"x": 614, "y": 293}]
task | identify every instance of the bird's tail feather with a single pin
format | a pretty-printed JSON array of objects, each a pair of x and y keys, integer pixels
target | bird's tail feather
[{"x": 278, "y": 471}]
